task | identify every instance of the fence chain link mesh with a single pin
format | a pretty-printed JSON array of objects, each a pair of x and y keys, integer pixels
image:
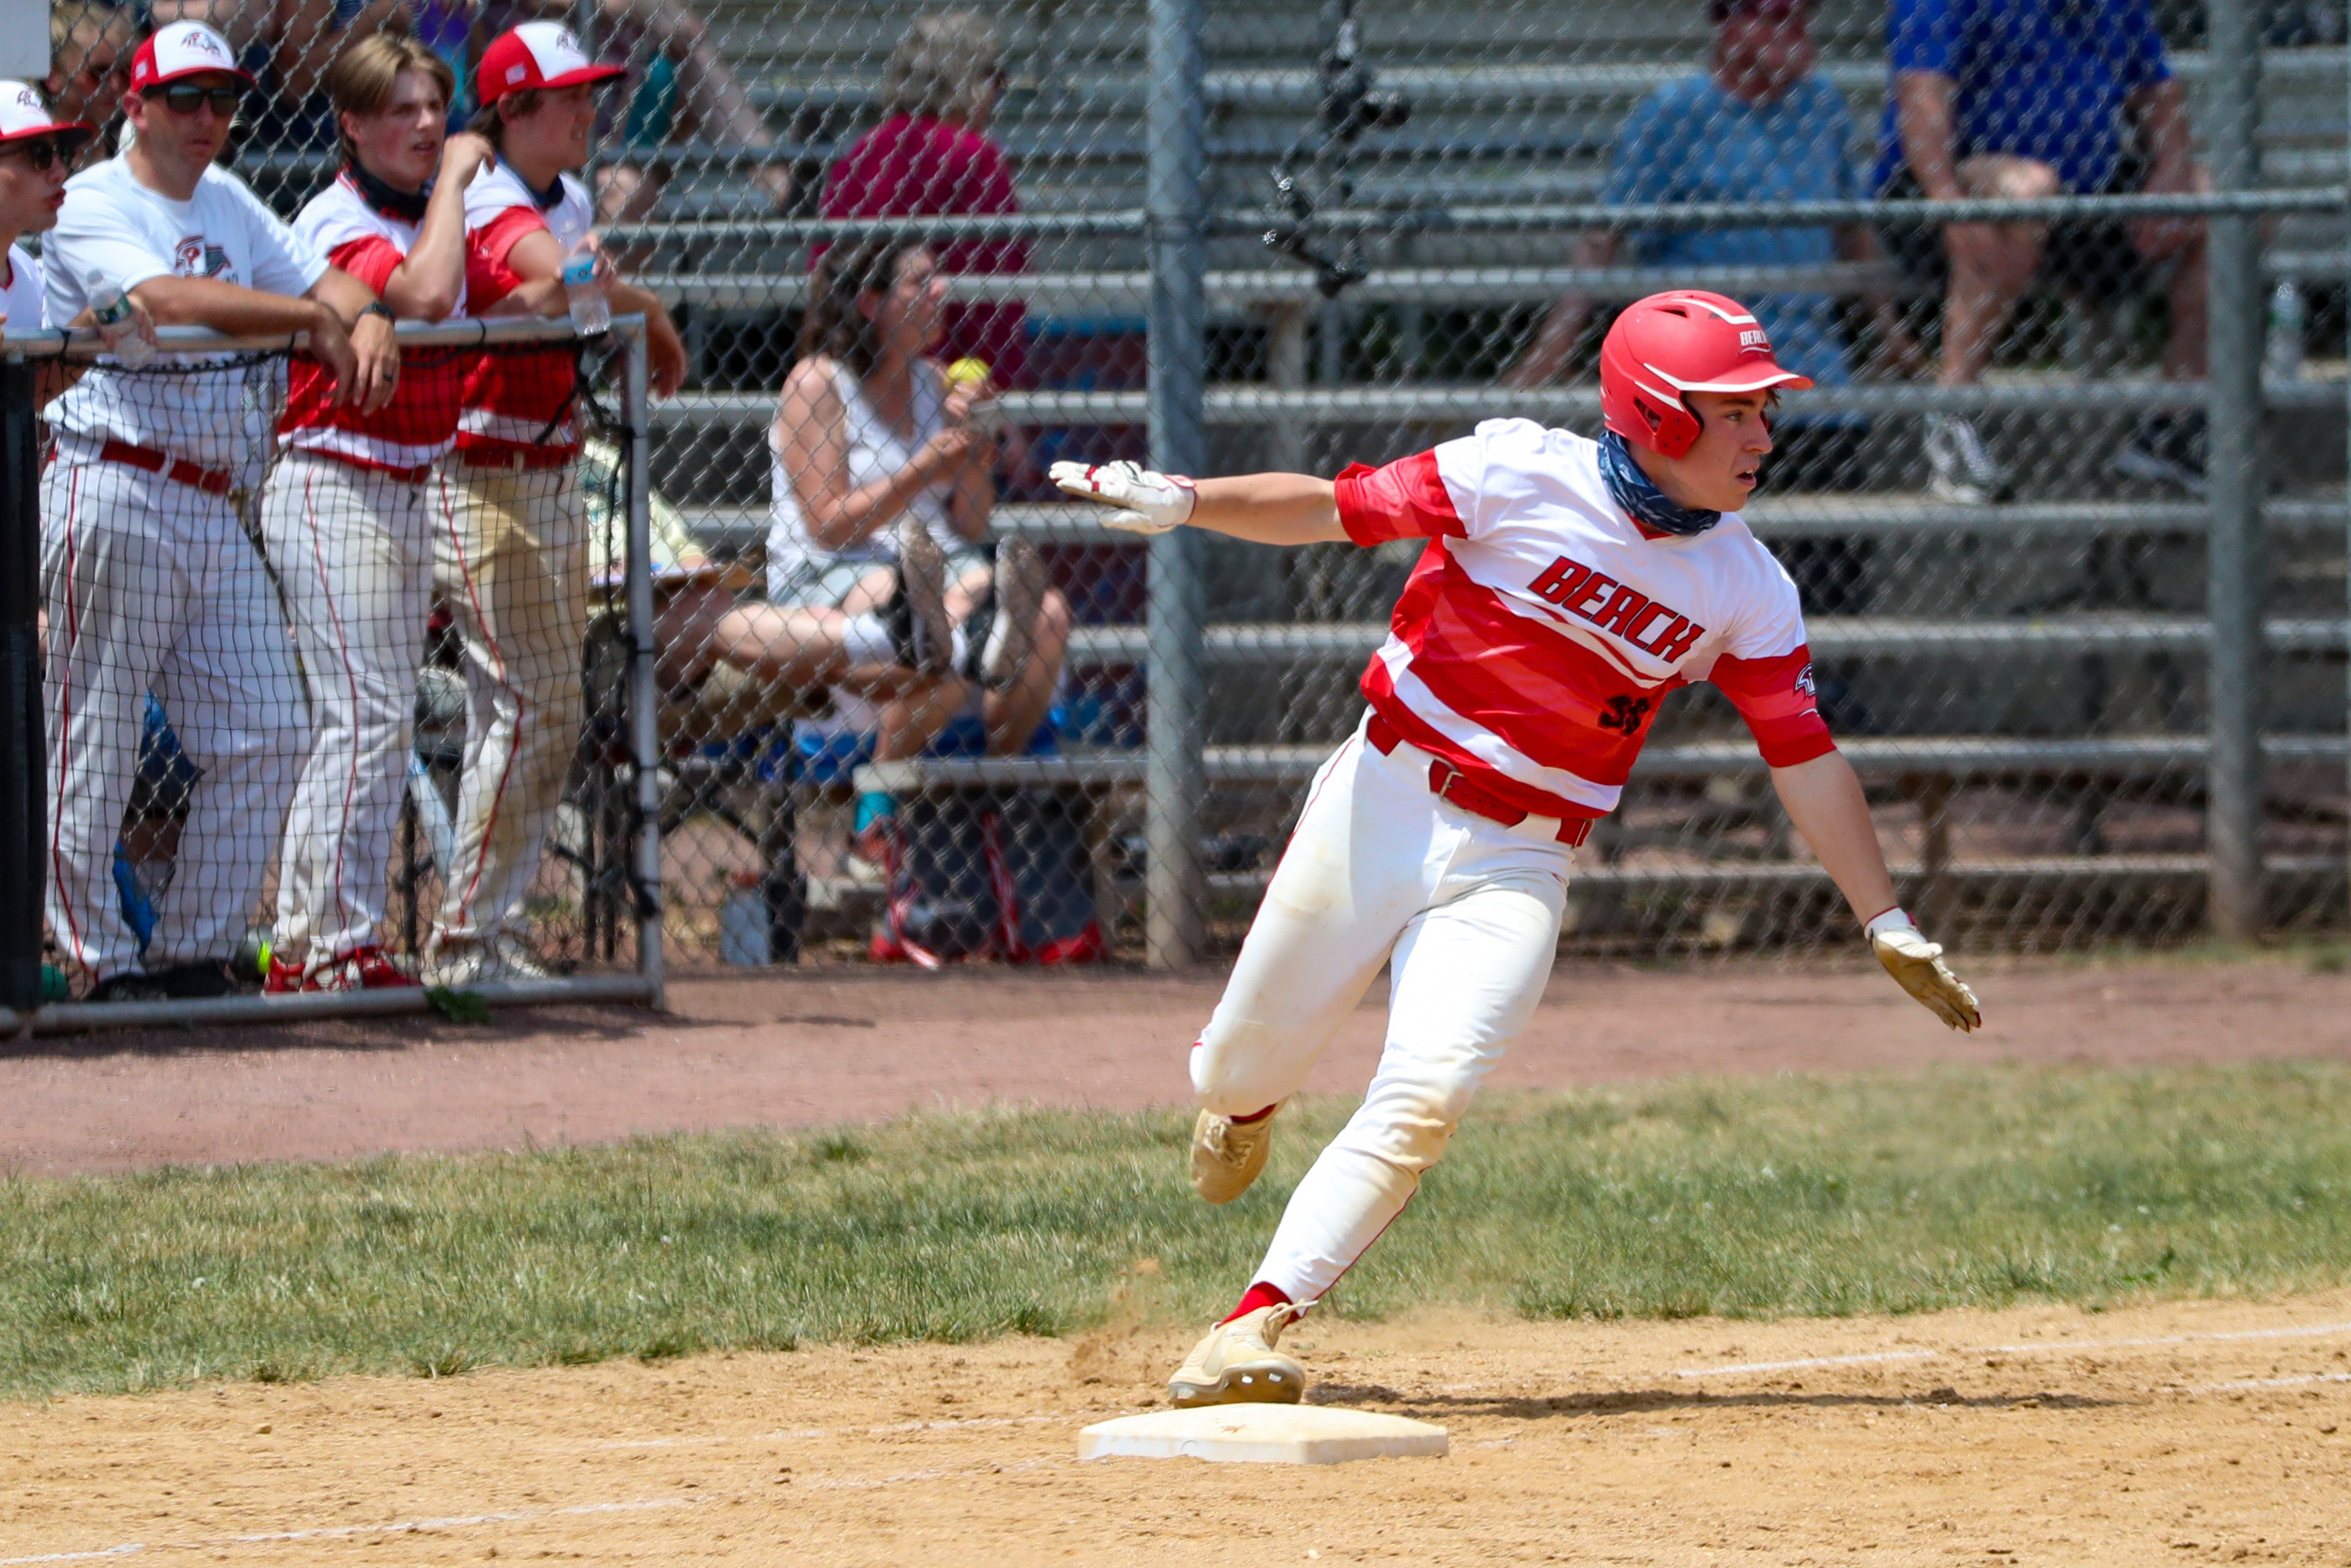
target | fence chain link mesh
[{"x": 1388, "y": 221}]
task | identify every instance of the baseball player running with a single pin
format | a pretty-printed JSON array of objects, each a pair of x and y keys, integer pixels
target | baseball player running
[
  {"x": 147, "y": 575},
  {"x": 1567, "y": 585},
  {"x": 346, "y": 510},
  {"x": 510, "y": 545}
]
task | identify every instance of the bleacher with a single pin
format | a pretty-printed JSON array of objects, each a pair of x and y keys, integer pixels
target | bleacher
[{"x": 1516, "y": 106}]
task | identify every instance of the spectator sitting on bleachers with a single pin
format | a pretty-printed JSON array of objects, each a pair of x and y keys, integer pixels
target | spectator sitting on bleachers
[
  {"x": 880, "y": 463},
  {"x": 726, "y": 665},
  {"x": 1761, "y": 125},
  {"x": 2020, "y": 99},
  {"x": 679, "y": 91},
  {"x": 932, "y": 155},
  {"x": 89, "y": 66}
]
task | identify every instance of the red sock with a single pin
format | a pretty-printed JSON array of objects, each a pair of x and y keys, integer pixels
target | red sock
[
  {"x": 1259, "y": 1295},
  {"x": 1259, "y": 1117}
]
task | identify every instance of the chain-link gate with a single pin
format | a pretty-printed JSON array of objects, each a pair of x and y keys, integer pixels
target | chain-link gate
[{"x": 2065, "y": 507}]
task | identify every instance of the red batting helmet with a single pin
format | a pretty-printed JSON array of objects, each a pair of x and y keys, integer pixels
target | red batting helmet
[{"x": 1683, "y": 341}]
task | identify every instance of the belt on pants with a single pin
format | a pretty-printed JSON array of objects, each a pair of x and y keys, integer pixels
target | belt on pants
[
  {"x": 178, "y": 470},
  {"x": 519, "y": 461},
  {"x": 1454, "y": 788}
]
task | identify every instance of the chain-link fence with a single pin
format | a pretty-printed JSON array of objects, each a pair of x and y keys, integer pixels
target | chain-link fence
[
  {"x": 2078, "y": 605},
  {"x": 2065, "y": 507},
  {"x": 347, "y": 724}
]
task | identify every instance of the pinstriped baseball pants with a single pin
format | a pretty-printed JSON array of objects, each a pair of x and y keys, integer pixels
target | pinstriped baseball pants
[
  {"x": 353, "y": 548},
  {"x": 1464, "y": 911},
  {"x": 510, "y": 555}
]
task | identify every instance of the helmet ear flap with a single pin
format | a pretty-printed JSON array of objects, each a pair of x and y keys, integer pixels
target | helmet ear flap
[{"x": 1673, "y": 428}]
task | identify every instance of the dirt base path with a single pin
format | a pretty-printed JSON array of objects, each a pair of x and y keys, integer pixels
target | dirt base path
[
  {"x": 829, "y": 1046},
  {"x": 2174, "y": 1433}
]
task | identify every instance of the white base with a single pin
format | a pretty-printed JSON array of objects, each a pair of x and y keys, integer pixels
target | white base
[{"x": 1261, "y": 1434}]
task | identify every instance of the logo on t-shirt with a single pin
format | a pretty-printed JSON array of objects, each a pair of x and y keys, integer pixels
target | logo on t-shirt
[
  {"x": 1805, "y": 682},
  {"x": 193, "y": 258}
]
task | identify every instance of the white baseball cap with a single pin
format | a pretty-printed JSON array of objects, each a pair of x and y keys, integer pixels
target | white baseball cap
[
  {"x": 24, "y": 116},
  {"x": 183, "y": 49},
  {"x": 537, "y": 54}
]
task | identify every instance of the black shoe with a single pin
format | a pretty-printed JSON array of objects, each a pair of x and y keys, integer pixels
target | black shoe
[
  {"x": 2166, "y": 449},
  {"x": 129, "y": 986},
  {"x": 206, "y": 977}
]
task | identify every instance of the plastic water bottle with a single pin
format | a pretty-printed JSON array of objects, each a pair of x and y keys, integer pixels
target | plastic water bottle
[
  {"x": 591, "y": 308},
  {"x": 117, "y": 325},
  {"x": 743, "y": 922},
  {"x": 2281, "y": 351}
]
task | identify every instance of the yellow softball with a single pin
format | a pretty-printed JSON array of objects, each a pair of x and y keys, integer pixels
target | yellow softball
[{"x": 970, "y": 372}]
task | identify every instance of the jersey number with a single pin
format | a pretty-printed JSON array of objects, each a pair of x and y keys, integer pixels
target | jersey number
[{"x": 1626, "y": 714}]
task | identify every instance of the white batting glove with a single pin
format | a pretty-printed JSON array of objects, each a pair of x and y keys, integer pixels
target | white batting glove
[
  {"x": 1917, "y": 966},
  {"x": 1146, "y": 503}
]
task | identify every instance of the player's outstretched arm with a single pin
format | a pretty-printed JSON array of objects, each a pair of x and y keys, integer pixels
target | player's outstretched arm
[
  {"x": 1825, "y": 803},
  {"x": 1263, "y": 508}
]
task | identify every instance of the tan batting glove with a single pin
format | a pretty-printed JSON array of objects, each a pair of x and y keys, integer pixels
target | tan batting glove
[
  {"x": 1146, "y": 503},
  {"x": 1918, "y": 966}
]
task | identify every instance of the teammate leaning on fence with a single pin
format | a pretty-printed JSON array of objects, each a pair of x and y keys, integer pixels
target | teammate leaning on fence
[
  {"x": 347, "y": 511},
  {"x": 36, "y": 149},
  {"x": 148, "y": 577},
  {"x": 510, "y": 545},
  {"x": 1566, "y": 587}
]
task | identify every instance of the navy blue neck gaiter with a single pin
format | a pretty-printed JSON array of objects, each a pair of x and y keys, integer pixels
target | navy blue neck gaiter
[{"x": 1639, "y": 495}]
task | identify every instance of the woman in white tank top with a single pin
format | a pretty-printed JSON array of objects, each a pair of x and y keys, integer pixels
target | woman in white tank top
[{"x": 883, "y": 482}]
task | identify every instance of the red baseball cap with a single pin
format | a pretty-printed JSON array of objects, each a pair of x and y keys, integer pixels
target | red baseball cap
[
  {"x": 24, "y": 116},
  {"x": 537, "y": 54},
  {"x": 183, "y": 49}
]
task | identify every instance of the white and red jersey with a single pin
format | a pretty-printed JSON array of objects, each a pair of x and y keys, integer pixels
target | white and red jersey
[
  {"x": 420, "y": 423},
  {"x": 1542, "y": 626},
  {"x": 518, "y": 400}
]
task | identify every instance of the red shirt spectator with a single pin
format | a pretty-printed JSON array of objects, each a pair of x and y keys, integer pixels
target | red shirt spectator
[{"x": 916, "y": 166}]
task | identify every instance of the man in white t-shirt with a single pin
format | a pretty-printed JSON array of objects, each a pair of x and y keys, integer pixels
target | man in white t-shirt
[{"x": 148, "y": 577}]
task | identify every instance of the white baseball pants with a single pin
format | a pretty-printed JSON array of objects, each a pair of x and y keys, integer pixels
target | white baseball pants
[
  {"x": 1378, "y": 869},
  {"x": 149, "y": 584},
  {"x": 510, "y": 554},
  {"x": 353, "y": 548}
]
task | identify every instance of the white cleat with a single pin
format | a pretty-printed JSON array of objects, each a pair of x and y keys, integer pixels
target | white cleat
[
  {"x": 1237, "y": 1363},
  {"x": 1226, "y": 1155}
]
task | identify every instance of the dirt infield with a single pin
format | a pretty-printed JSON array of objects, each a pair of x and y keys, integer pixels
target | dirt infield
[
  {"x": 829, "y": 1045},
  {"x": 2174, "y": 1433}
]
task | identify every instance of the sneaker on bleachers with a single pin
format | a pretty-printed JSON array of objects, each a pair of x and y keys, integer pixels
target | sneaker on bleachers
[
  {"x": 2166, "y": 449},
  {"x": 1961, "y": 467},
  {"x": 919, "y": 630},
  {"x": 1019, "y": 600}
]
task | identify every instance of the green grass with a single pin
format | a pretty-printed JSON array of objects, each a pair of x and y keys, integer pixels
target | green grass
[{"x": 1752, "y": 1198}]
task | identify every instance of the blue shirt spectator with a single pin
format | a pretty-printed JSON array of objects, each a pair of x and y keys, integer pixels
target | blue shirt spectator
[
  {"x": 2044, "y": 79},
  {"x": 1692, "y": 140},
  {"x": 1761, "y": 124}
]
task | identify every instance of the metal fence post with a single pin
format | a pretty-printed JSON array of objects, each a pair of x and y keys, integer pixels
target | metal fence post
[
  {"x": 24, "y": 823},
  {"x": 644, "y": 722},
  {"x": 2233, "y": 822},
  {"x": 1175, "y": 886}
]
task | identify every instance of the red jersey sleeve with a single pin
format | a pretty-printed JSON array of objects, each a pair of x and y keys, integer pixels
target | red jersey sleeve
[
  {"x": 1775, "y": 696},
  {"x": 371, "y": 258},
  {"x": 1404, "y": 500},
  {"x": 488, "y": 279}
]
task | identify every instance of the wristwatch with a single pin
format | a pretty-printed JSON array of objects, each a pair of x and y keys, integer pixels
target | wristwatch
[{"x": 375, "y": 308}]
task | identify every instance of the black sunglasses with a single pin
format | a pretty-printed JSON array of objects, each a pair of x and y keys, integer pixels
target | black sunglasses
[
  {"x": 182, "y": 97},
  {"x": 42, "y": 154}
]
